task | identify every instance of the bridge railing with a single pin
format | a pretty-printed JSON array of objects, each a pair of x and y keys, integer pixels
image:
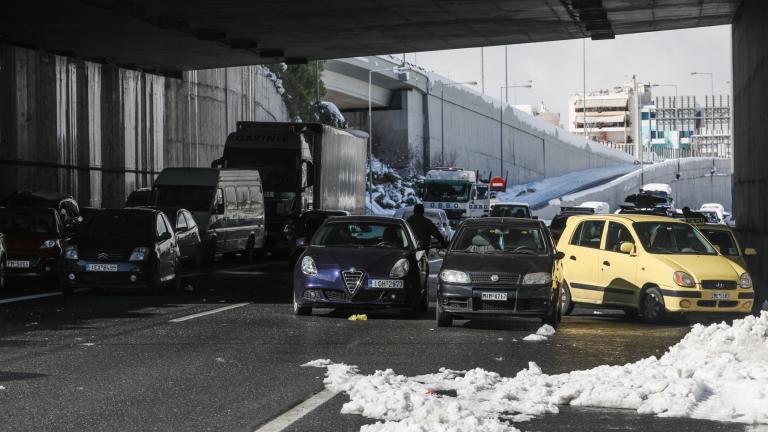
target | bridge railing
[{"x": 658, "y": 152}]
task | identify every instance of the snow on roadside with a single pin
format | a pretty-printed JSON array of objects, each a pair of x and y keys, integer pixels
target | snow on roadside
[{"x": 717, "y": 372}]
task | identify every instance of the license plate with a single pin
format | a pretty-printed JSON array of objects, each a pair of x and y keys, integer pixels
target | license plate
[
  {"x": 385, "y": 283},
  {"x": 498, "y": 296},
  {"x": 101, "y": 267},
  {"x": 720, "y": 296},
  {"x": 17, "y": 264}
]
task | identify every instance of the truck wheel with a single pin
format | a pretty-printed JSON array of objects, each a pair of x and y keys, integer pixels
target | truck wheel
[
  {"x": 652, "y": 306},
  {"x": 565, "y": 298},
  {"x": 301, "y": 310},
  {"x": 442, "y": 318}
]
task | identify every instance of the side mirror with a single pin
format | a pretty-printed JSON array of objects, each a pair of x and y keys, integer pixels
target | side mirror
[
  {"x": 559, "y": 255},
  {"x": 302, "y": 242},
  {"x": 627, "y": 247},
  {"x": 750, "y": 252},
  {"x": 164, "y": 236}
]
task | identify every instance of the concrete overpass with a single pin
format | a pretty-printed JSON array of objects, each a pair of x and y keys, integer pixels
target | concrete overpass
[{"x": 176, "y": 35}]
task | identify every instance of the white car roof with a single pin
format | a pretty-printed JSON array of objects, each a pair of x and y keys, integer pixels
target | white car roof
[
  {"x": 658, "y": 187},
  {"x": 517, "y": 203}
]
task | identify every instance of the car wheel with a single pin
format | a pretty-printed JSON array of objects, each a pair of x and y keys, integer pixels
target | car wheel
[
  {"x": 424, "y": 302},
  {"x": 197, "y": 260},
  {"x": 443, "y": 318},
  {"x": 156, "y": 286},
  {"x": 652, "y": 306},
  {"x": 210, "y": 252},
  {"x": 175, "y": 285},
  {"x": 301, "y": 310},
  {"x": 565, "y": 299},
  {"x": 551, "y": 317}
]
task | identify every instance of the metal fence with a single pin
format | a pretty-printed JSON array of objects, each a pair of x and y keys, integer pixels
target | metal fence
[{"x": 661, "y": 152}]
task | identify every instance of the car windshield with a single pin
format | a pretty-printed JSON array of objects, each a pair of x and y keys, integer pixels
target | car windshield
[
  {"x": 446, "y": 191},
  {"x": 120, "y": 227},
  {"x": 510, "y": 211},
  {"x": 723, "y": 240},
  {"x": 27, "y": 221},
  {"x": 192, "y": 198},
  {"x": 500, "y": 239},
  {"x": 361, "y": 234},
  {"x": 672, "y": 238}
]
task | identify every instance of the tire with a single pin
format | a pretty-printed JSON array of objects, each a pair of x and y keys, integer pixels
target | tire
[
  {"x": 175, "y": 284},
  {"x": 210, "y": 252},
  {"x": 301, "y": 310},
  {"x": 652, "y": 306},
  {"x": 156, "y": 287},
  {"x": 442, "y": 318},
  {"x": 551, "y": 318},
  {"x": 424, "y": 302},
  {"x": 197, "y": 260},
  {"x": 565, "y": 299}
]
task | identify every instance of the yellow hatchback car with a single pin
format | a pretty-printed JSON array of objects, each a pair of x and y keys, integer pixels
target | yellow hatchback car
[{"x": 650, "y": 266}]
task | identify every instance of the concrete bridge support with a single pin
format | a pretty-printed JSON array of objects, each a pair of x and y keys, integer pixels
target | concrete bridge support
[
  {"x": 750, "y": 136},
  {"x": 99, "y": 131}
]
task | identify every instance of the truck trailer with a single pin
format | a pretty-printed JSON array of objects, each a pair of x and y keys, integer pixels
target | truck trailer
[{"x": 303, "y": 166}]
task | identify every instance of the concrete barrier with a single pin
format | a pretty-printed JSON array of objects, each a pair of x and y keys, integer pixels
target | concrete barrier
[{"x": 702, "y": 180}]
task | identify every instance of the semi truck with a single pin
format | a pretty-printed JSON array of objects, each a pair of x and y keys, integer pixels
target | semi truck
[
  {"x": 303, "y": 166},
  {"x": 455, "y": 190}
]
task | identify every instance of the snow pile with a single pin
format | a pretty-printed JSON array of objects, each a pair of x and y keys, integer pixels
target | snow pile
[
  {"x": 328, "y": 113},
  {"x": 391, "y": 190},
  {"x": 541, "y": 334},
  {"x": 717, "y": 372},
  {"x": 271, "y": 75}
]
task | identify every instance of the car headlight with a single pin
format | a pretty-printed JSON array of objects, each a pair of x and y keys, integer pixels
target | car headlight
[
  {"x": 683, "y": 279},
  {"x": 454, "y": 276},
  {"x": 400, "y": 269},
  {"x": 139, "y": 254},
  {"x": 48, "y": 244},
  {"x": 745, "y": 281},
  {"x": 308, "y": 266},
  {"x": 70, "y": 253},
  {"x": 539, "y": 278}
]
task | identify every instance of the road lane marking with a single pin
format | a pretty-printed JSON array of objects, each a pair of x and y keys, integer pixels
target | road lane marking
[
  {"x": 36, "y": 296},
  {"x": 292, "y": 415},
  {"x": 210, "y": 312}
]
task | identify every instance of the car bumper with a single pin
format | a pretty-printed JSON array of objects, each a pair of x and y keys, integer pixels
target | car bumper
[
  {"x": 315, "y": 292},
  {"x": 128, "y": 275},
  {"x": 739, "y": 301},
  {"x": 39, "y": 267},
  {"x": 534, "y": 300}
]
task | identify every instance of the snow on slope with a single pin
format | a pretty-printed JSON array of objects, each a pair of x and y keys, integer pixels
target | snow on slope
[
  {"x": 541, "y": 192},
  {"x": 716, "y": 372}
]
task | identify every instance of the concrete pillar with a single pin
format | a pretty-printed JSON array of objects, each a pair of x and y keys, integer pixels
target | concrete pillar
[{"x": 750, "y": 117}]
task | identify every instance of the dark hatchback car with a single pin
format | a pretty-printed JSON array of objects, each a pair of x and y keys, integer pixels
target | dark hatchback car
[
  {"x": 33, "y": 237},
  {"x": 364, "y": 262},
  {"x": 127, "y": 248},
  {"x": 187, "y": 234},
  {"x": 499, "y": 266}
]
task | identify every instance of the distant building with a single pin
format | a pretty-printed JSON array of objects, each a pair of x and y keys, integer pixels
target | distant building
[{"x": 609, "y": 114}]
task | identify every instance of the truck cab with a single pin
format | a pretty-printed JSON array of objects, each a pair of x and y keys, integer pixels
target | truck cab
[{"x": 455, "y": 190}]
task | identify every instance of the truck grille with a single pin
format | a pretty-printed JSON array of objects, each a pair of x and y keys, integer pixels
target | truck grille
[
  {"x": 502, "y": 278},
  {"x": 718, "y": 284},
  {"x": 352, "y": 281}
]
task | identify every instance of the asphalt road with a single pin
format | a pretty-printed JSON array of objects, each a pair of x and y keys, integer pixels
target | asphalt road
[{"x": 98, "y": 361}]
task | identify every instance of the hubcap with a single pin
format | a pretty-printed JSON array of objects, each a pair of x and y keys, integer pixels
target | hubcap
[{"x": 652, "y": 306}]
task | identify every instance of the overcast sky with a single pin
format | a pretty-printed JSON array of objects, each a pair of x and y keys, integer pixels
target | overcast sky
[{"x": 556, "y": 67}]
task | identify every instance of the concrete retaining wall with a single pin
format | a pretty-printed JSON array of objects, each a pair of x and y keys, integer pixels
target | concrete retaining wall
[
  {"x": 696, "y": 186},
  {"x": 99, "y": 131},
  {"x": 468, "y": 134}
]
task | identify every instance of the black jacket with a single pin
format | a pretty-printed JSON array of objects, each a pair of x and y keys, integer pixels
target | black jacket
[{"x": 424, "y": 228}]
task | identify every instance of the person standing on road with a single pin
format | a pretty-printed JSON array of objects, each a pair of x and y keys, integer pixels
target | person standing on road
[{"x": 423, "y": 227}]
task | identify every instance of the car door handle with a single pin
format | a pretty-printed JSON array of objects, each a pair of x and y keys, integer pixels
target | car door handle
[
  {"x": 606, "y": 263},
  {"x": 573, "y": 258}
]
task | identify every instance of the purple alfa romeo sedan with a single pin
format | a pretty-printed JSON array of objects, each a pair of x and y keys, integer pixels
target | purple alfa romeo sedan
[{"x": 361, "y": 262}]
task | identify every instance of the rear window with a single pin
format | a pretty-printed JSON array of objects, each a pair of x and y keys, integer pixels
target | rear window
[
  {"x": 510, "y": 211},
  {"x": 28, "y": 221}
]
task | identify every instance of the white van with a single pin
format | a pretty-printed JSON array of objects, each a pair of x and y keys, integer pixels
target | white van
[
  {"x": 227, "y": 204},
  {"x": 600, "y": 207}
]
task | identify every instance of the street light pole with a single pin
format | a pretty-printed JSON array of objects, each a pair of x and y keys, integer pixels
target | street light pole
[{"x": 442, "y": 124}]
